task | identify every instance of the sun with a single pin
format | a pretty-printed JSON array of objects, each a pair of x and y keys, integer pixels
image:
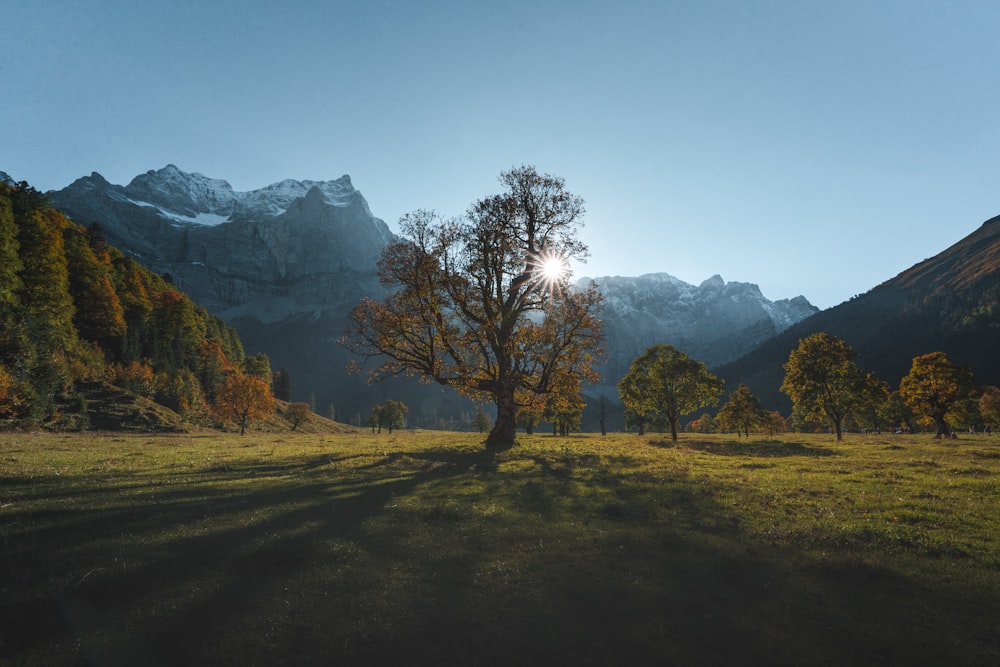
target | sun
[{"x": 553, "y": 268}]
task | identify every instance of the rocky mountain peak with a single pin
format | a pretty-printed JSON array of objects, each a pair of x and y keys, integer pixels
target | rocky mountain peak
[
  {"x": 714, "y": 283},
  {"x": 183, "y": 193}
]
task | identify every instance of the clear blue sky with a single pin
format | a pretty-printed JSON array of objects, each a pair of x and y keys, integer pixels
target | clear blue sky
[{"x": 814, "y": 148}]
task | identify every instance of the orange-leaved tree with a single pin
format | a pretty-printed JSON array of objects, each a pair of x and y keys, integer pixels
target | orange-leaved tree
[
  {"x": 483, "y": 304},
  {"x": 243, "y": 398}
]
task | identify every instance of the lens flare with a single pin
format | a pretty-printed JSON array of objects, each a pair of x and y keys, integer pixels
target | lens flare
[{"x": 553, "y": 268}]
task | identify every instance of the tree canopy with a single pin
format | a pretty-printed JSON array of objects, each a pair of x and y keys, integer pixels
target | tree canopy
[
  {"x": 663, "y": 382},
  {"x": 825, "y": 383},
  {"x": 934, "y": 386},
  {"x": 483, "y": 303},
  {"x": 742, "y": 412}
]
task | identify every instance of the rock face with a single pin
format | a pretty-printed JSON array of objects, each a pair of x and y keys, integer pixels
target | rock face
[
  {"x": 714, "y": 322},
  {"x": 294, "y": 246},
  {"x": 285, "y": 265}
]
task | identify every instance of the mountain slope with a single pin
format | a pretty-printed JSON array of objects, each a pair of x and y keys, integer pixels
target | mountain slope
[
  {"x": 285, "y": 264},
  {"x": 949, "y": 303}
]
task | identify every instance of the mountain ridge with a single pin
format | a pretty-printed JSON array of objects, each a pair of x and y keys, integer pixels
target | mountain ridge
[
  {"x": 949, "y": 302},
  {"x": 286, "y": 263}
]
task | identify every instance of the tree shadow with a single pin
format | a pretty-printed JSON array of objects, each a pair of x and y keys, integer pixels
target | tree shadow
[
  {"x": 746, "y": 447},
  {"x": 438, "y": 556}
]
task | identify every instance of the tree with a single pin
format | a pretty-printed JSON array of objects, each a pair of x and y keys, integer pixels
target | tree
[
  {"x": 392, "y": 415},
  {"x": 663, "y": 382},
  {"x": 896, "y": 413},
  {"x": 824, "y": 383},
  {"x": 776, "y": 423},
  {"x": 281, "y": 384},
  {"x": 703, "y": 424},
  {"x": 989, "y": 406},
  {"x": 98, "y": 316},
  {"x": 11, "y": 340},
  {"x": 528, "y": 417},
  {"x": 603, "y": 406},
  {"x": 933, "y": 386},
  {"x": 481, "y": 421},
  {"x": 298, "y": 414},
  {"x": 243, "y": 398},
  {"x": 483, "y": 303},
  {"x": 742, "y": 412},
  {"x": 564, "y": 405},
  {"x": 259, "y": 365}
]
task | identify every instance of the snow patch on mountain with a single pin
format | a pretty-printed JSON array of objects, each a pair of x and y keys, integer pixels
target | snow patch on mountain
[
  {"x": 195, "y": 199},
  {"x": 210, "y": 219}
]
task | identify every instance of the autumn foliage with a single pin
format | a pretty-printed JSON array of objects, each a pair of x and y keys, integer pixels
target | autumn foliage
[
  {"x": 243, "y": 399},
  {"x": 73, "y": 309}
]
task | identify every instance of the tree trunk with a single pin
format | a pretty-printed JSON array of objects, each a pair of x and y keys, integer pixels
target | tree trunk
[
  {"x": 943, "y": 429},
  {"x": 503, "y": 436},
  {"x": 673, "y": 430}
]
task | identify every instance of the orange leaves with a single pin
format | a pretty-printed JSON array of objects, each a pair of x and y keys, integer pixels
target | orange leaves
[{"x": 242, "y": 399}]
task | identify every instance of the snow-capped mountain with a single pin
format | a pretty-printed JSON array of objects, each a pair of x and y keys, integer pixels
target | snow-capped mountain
[
  {"x": 291, "y": 246},
  {"x": 714, "y": 322},
  {"x": 286, "y": 263}
]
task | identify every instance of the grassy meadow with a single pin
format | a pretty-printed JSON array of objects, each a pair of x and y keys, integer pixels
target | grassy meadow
[{"x": 416, "y": 548}]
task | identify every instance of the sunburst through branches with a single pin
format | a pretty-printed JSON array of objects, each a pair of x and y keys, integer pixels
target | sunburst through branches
[{"x": 551, "y": 269}]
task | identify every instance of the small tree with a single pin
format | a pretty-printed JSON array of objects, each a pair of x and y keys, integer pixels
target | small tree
[
  {"x": 528, "y": 418},
  {"x": 989, "y": 407},
  {"x": 298, "y": 414},
  {"x": 823, "y": 381},
  {"x": 243, "y": 398},
  {"x": 776, "y": 423},
  {"x": 281, "y": 383},
  {"x": 564, "y": 405},
  {"x": 603, "y": 406},
  {"x": 481, "y": 421},
  {"x": 896, "y": 413},
  {"x": 703, "y": 424},
  {"x": 934, "y": 386},
  {"x": 392, "y": 415},
  {"x": 664, "y": 382},
  {"x": 742, "y": 412}
]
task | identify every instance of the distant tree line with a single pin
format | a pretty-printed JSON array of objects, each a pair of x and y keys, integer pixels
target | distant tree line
[{"x": 828, "y": 391}]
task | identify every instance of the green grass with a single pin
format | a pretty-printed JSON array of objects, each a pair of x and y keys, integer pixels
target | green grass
[{"x": 416, "y": 548}]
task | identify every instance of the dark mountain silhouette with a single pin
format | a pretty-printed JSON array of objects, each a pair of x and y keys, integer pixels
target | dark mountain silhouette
[{"x": 948, "y": 303}]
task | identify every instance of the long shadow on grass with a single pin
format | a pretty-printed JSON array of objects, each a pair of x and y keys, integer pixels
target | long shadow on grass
[
  {"x": 188, "y": 552},
  {"x": 747, "y": 447},
  {"x": 444, "y": 557}
]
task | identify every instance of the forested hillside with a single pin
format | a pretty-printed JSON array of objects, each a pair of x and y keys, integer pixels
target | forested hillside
[
  {"x": 75, "y": 310},
  {"x": 948, "y": 303}
]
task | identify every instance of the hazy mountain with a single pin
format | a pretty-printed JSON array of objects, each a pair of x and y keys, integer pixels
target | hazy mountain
[
  {"x": 286, "y": 263},
  {"x": 714, "y": 322},
  {"x": 948, "y": 303}
]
